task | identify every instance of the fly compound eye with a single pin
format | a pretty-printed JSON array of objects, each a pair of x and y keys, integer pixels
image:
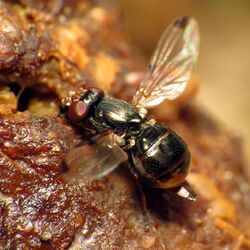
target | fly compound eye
[{"x": 77, "y": 111}]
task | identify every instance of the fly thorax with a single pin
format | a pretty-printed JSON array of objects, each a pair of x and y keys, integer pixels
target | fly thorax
[{"x": 117, "y": 114}]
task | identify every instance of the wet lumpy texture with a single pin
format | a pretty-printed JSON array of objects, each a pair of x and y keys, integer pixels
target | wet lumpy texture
[{"x": 48, "y": 51}]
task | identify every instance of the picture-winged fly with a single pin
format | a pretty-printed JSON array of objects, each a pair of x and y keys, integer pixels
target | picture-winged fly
[{"x": 156, "y": 154}]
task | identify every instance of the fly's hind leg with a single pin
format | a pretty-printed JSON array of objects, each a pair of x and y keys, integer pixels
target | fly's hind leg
[{"x": 141, "y": 193}]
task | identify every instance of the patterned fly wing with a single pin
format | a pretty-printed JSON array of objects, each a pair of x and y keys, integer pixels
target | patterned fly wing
[{"x": 171, "y": 65}]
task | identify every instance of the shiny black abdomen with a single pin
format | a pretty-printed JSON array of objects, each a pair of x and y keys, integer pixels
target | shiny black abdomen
[
  {"x": 161, "y": 157},
  {"x": 116, "y": 114}
]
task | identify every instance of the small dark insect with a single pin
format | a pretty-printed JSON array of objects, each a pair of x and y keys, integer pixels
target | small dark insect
[{"x": 156, "y": 154}]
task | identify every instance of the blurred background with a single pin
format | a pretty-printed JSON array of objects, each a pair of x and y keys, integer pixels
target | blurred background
[{"x": 224, "y": 62}]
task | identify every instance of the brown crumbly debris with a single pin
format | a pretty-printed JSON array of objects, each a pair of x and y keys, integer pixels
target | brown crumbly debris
[
  {"x": 47, "y": 52},
  {"x": 8, "y": 101}
]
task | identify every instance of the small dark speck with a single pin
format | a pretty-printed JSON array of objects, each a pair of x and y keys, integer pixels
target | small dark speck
[{"x": 181, "y": 22}]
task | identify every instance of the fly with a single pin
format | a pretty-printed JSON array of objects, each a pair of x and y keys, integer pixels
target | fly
[{"x": 156, "y": 154}]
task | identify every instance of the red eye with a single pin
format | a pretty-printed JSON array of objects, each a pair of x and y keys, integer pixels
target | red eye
[{"x": 77, "y": 111}]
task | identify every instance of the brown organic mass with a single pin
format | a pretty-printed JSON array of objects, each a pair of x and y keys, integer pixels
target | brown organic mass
[{"x": 48, "y": 51}]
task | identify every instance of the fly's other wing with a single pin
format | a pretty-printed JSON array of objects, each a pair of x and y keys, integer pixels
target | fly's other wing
[
  {"x": 171, "y": 65},
  {"x": 93, "y": 161}
]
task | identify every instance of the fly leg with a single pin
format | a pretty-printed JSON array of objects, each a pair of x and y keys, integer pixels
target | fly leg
[{"x": 141, "y": 193}]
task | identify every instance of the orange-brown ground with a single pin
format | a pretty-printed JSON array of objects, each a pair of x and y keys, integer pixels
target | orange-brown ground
[{"x": 52, "y": 49}]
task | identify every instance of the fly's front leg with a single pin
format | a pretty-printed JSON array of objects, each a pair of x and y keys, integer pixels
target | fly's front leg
[{"x": 141, "y": 193}]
